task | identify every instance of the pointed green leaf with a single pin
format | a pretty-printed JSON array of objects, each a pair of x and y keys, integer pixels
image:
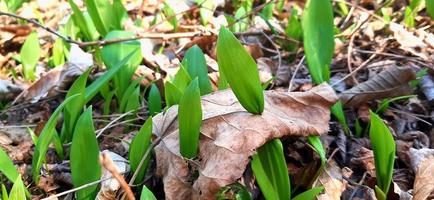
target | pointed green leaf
[
  {"x": 147, "y": 194},
  {"x": 196, "y": 67},
  {"x": 45, "y": 138},
  {"x": 241, "y": 72},
  {"x": 30, "y": 53},
  {"x": 154, "y": 100},
  {"x": 58, "y": 55},
  {"x": 4, "y": 195},
  {"x": 172, "y": 94},
  {"x": 120, "y": 14},
  {"x": 190, "y": 119},
  {"x": 384, "y": 149},
  {"x": 114, "y": 53},
  {"x": 84, "y": 156},
  {"x": 309, "y": 194},
  {"x": 7, "y": 167},
  {"x": 101, "y": 13},
  {"x": 133, "y": 102},
  {"x": 269, "y": 168},
  {"x": 430, "y": 8},
  {"x": 129, "y": 95},
  {"x": 379, "y": 194},
  {"x": 18, "y": 191},
  {"x": 86, "y": 27},
  {"x": 206, "y": 10},
  {"x": 170, "y": 15},
  {"x": 182, "y": 79},
  {"x": 138, "y": 147},
  {"x": 317, "y": 23}
]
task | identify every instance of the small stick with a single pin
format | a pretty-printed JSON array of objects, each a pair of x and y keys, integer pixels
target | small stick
[
  {"x": 295, "y": 73},
  {"x": 349, "y": 61},
  {"x": 108, "y": 164}
]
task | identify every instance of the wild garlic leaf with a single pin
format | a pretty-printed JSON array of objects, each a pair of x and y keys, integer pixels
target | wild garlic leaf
[
  {"x": 309, "y": 194},
  {"x": 269, "y": 168},
  {"x": 7, "y": 167},
  {"x": 172, "y": 94},
  {"x": 29, "y": 54},
  {"x": 196, "y": 67},
  {"x": 18, "y": 191},
  {"x": 147, "y": 194},
  {"x": 190, "y": 119},
  {"x": 182, "y": 79},
  {"x": 154, "y": 100},
  {"x": 84, "y": 156},
  {"x": 138, "y": 147},
  {"x": 240, "y": 71},
  {"x": 384, "y": 149}
]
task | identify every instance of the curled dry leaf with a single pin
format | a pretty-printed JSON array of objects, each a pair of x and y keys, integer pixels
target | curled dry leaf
[
  {"x": 424, "y": 182},
  {"x": 391, "y": 82},
  {"x": 333, "y": 181},
  {"x": 230, "y": 135}
]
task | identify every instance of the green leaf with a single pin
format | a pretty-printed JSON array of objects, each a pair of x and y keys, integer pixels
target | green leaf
[
  {"x": 86, "y": 26},
  {"x": 58, "y": 55},
  {"x": 241, "y": 72},
  {"x": 30, "y": 53},
  {"x": 182, "y": 79},
  {"x": 241, "y": 22},
  {"x": 293, "y": 28},
  {"x": 84, "y": 156},
  {"x": 170, "y": 15},
  {"x": 133, "y": 102},
  {"x": 45, "y": 138},
  {"x": 130, "y": 94},
  {"x": 386, "y": 102},
  {"x": 120, "y": 14},
  {"x": 4, "y": 193},
  {"x": 103, "y": 15},
  {"x": 430, "y": 7},
  {"x": 267, "y": 11},
  {"x": 317, "y": 23},
  {"x": 58, "y": 146},
  {"x": 93, "y": 88},
  {"x": 206, "y": 10},
  {"x": 7, "y": 167},
  {"x": 384, "y": 149},
  {"x": 190, "y": 119},
  {"x": 147, "y": 194},
  {"x": 379, "y": 194},
  {"x": 338, "y": 111},
  {"x": 154, "y": 100},
  {"x": 14, "y": 5},
  {"x": 196, "y": 67},
  {"x": 309, "y": 194},
  {"x": 74, "y": 108},
  {"x": 172, "y": 94},
  {"x": 269, "y": 168},
  {"x": 138, "y": 147},
  {"x": 114, "y": 53},
  {"x": 18, "y": 191}
]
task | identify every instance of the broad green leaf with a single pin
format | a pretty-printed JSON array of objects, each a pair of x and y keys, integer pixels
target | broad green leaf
[
  {"x": 269, "y": 168},
  {"x": 101, "y": 12},
  {"x": 384, "y": 149},
  {"x": 45, "y": 138},
  {"x": 58, "y": 55},
  {"x": 154, "y": 100},
  {"x": 138, "y": 147},
  {"x": 190, "y": 119},
  {"x": 409, "y": 17},
  {"x": 170, "y": 15},
  {"x": 241, "y": 72},
  {"x": 129, "y": 95},
  {"x": 206, "y": 10},
  {"x": 293, "y": 28},
  {"x": 120, "y": 14},
  {"x": 172, "y": 94},
  {"x": 196, "y": 67},
  {"x": 7, "y": 167},
  {"x": 182, "y": 79},
  {"x": 133, "y": 102},
  {"x": 309, "y": 194},
  {"x": 114, "y": 53},
  {"x": 4, "y": 195},
  {"x": 96, "y": 86},
  {"x": 71, "y": 29},
  {"x": 317, "y": 23},
  {"x": 84, "y": 156},
  {"x": 85, "y": 25},
  {"x": 74, "y": 108},
  {"x": 14, "y": 5},
  {"x": 30, "y": 53},
  {"x": 429, "y": 4},
  {"x": 18, "y": 191},
  {"x": 267, "y": 11},
  {"x": 147, "y": 194}
]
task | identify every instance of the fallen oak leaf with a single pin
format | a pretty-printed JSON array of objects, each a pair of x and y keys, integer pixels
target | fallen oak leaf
[
  {"x": 230, "y": 135},
  {"x": 391, "y": 82}
]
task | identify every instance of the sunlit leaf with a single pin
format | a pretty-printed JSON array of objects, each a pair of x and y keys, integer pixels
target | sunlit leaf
[
  {"x": 317, "y": 23},
  {"x": 84, "y": 156},
  {"x": 154, "y": 100},
  {"x": 29, "y": 54},
  {"x": 309, "y": 194},
  {"x": 206, "y": 10},
  {"x": 14, "y": 5},
  {"x": 18, "y": 191},
  {"x": 147, "y": 194},
  {"x": 58, "y": 55},
  {"x": 269, "y": 168},
  {"x": 87, "y": 28},
  {"x": 130, "y": 94},
  {"x": 7, "y": 167},
  {"x": 190, "y": 119},
  {"x": 384, "y": 149},
  {"x": 241, "y": 72},
  {"x": 182, "y": 79},
  {"x": 105, "y": 15},
  {"x": 138, "y": 147},
  {"x": 172, "y": 94},
  {"x": 430, "y": 7},
  {"x": 170, "y": 15},
  {"x": 196, "y": 67},
  {"x": 4, "y": 195},
  {"x": 45, "y": 138},
  {"x": 133, "y": 102}
]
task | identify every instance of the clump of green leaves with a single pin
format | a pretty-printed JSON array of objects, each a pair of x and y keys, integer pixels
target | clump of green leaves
[
  {"x": 190, "y": 119},
  {"x": 237, "y": 66},
  {"x": 29, "y": 56},
  {"x": 84, "y": 156},
  {"x": 174, "y": 89},
  {"x": 384, "y": 149},
  {"x": 106, "y": 15}
]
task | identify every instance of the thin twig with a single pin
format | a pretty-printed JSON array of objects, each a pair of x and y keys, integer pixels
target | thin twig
[
  {"x": 349, "y": 57},
  {"x": 275, "y": 47},
  {"x": 99, "y": 132},
  {"x": 295, "y": 73}
]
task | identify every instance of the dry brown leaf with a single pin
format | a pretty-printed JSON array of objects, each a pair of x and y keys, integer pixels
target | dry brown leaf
[
  {"x": 230, "y": 135},
  {"x": 424, "y": 182},
  {"x": 333, "y": 182},
  {"x": 391, "y": 82}
]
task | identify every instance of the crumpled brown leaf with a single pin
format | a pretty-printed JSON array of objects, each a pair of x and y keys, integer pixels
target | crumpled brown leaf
[
  {"x": 424, "y": 182},
  {"x": 230, "y": 135},
  {"x": 391, "y": 82},
  {"x": 333, "y": 181}
]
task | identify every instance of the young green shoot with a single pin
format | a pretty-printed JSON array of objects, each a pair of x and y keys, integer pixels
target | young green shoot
[{"x": 139, "y": 145}]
